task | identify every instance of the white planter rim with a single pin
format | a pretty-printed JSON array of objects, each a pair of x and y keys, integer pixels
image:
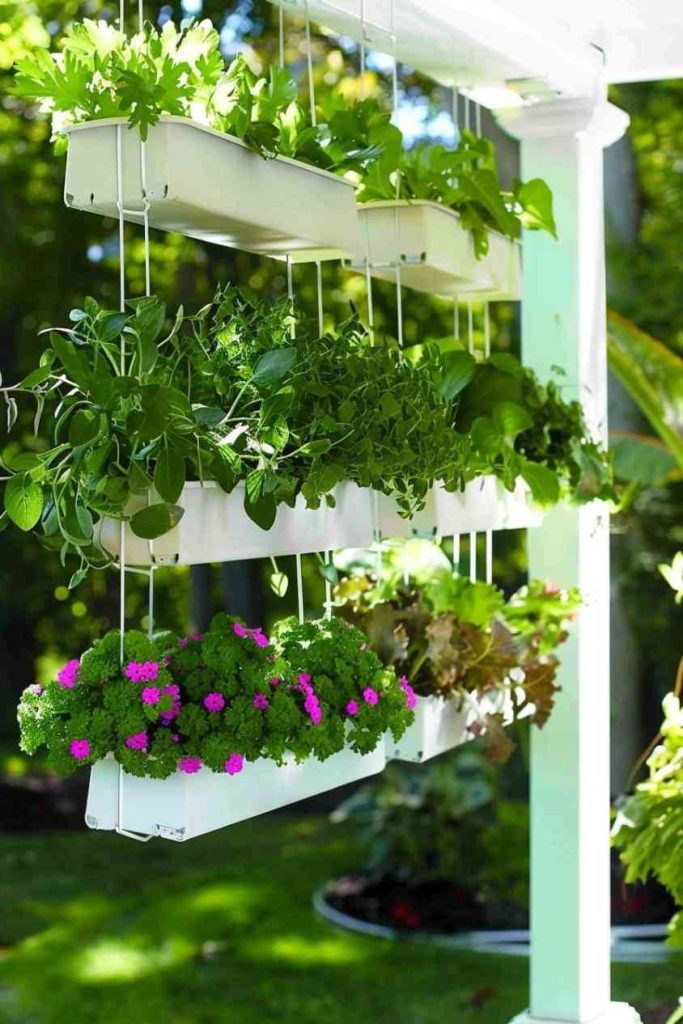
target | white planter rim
[
  {"x": 208, "y": 130},
  {"x": 388, "y": 204}
]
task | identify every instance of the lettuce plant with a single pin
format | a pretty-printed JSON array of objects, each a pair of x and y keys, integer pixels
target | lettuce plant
[
  {"x": 219, "y": 700},
  {"x": 461, "y": 640}
]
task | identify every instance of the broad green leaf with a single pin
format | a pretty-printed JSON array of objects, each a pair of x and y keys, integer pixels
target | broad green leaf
[
  {"x": 273, "y": 366},
  {"x": 277, "y": 404},
  {"x": 156, "y": 520},
  {"x": 74, "y": 363},
  {"x": 536, "y": 201},
  {"x": 84, "y": 427},
  {"x": 460, "y": 368},
  {"x": 110, "y": 326},
  {"x": 262, "y": 511},
  {"x": 85, "y": 521},
  {"x": 486, "y": 436},
  {"x": 169, "y": 474},
  {"x": 208, "y": 417},
  {"x": 483, "y": 187},
  {"x": 315, "y": 447},
  {"x": 543, "y": 483},
  {"x": 77, "y": 578},
  {"x": 653, "y": 375},
  {"x": 641, "y": 459},
  {"x": 23, "y": 501},
  {"x": 511, "y": 419}
]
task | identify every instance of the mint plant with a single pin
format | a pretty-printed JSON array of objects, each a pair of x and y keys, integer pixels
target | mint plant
[
  {"x": 219, "y": 700},
  {"x": 131, "y": 405}
]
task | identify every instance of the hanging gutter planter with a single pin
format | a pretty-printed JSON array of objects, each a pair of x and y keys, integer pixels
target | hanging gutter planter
[
  {"x": 216, "y": 528},
  {"x": 208, "y": 185},
  {"x": 435, "y": 252},
  {"x": 185, "y": 806},
  {"x": 441, "y": 724},
  {"x": 484, "y": 504}
]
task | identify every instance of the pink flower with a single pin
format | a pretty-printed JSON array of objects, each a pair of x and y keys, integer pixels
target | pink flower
[
  {"x": 183, "y": 641},
  {"x": 79, "y": 749},
  {"x": 275, "y": 681},
  {"x": 411, "y": 699},
  {"x": 134, "y": 671},
  {"x": 67, "y": 675},
  {"x": 175, "y": 737},
  {"x": 151, "y": 695},
  {"x": 305, "y": 683},
  {"x": 168, "y": 660},
  {"x": 189, "y": 765},
  {"x": 370, "y": 696},
  {"x": 173, "y": 689},
  {"x": 150, "y": 671},
  {"x": 196, "y": 636},
  {"x": 312, "y": 706},
  {"x": 138, "y": 741},
  {"x": 239, "y": 630},
  {"x": 35, "y": 688},
  {"x": 234, "y": 764},
  {"x": 214, "y": 702},
  {"x": 260, "y": 701},
  {"x": 259, "y": 638},
  {"x": 352, "y": 708}
]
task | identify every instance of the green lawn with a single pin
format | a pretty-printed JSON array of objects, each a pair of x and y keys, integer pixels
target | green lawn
[{"x": 96, "y": 929}]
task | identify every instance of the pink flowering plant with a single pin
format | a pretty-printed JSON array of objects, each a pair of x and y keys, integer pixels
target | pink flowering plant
[{"x": 217, "y": 701}]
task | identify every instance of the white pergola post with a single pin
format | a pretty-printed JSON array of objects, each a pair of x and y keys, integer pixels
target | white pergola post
[{"x": 563, "y": 325}]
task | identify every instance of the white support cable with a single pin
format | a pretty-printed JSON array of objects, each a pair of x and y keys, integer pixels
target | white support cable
[
  {"x": 122, "y": 305},
  {"x": 299, "y": 589},
  {"x": 473, "y": 535},
  {"x": 328, "y": 586},
  {"x": 477, "y": 118},
  {"x": 319, "y": 284}
]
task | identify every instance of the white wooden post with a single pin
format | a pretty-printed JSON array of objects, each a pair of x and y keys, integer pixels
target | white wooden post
[{"x": 563, "y": 324}]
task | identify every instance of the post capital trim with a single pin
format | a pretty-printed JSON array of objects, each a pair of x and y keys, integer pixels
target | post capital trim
[{"x": 598, "y": 119}]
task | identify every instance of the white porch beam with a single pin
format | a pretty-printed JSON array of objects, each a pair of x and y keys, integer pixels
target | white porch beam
[{"x": 563, "y": 324}]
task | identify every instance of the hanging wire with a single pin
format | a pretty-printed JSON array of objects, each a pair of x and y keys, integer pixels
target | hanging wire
[
  {"x": 309, "y": 64},
  {"x": 473, "y": 535},
  {"x": 319, "y": 283},
  {"x": 299, "y": 589},
  {"x": 397, "y": 230}
]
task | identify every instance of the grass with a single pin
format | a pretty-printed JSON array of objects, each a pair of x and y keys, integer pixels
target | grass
[{"x": 96, "y": 929}]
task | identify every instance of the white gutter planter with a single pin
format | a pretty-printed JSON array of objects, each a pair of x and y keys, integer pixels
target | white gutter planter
[
  {"x": 442, "y": 724},
  {"x": 484, "y": 504},
  {"x": 434, "y": 252},
  {"x": 211, "y": 186},
  {"x": 215, "y": 528},
  {"x": 185, "y": 806}
]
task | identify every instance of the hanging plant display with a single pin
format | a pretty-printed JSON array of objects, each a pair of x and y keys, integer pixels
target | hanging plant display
[
  {"x": 475, "y": 661},
  {"x": 441, "y": 214},
  {"x": 232, "y": 702},
  {"x": 228, "y": 398}
]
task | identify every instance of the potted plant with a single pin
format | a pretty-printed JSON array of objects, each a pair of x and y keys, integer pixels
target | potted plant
[
  {"x": 476, "y": 662},
  {"x": 222, "y": 412},
  {"x": 206, "y": 130},
  {"x": 442, "y": 215},
  {"x": 187, "y": 734},
  {"x": 442, "y": 219}
]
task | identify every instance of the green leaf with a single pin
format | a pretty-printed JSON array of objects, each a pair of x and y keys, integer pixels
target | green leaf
[
  {"x": 460, "y": 368},
  {"x": 35, "y": 377},
  {"x": 73, "y": 362},
  {"x": 110, "y": 326},
  {"x": 486, "y": 436},
  {"x": 642, "y": 459},
  {"x": 77, "y": 578},
  {"x": 85, "y": 521},
  {"x": 156, "y": 520},
  {"x": 169, "y": 474},
  {"x": 483, "y": 187},
  {"x": 318, "y": 447},
  {"x": 536, "y": 201},
  {"x": 23, "y": 501},
  {"x": 279, "y": 583},
  {"x": 84, "y": 427},
  {"x": 543, "y": 483},
  {"x": 277, "y": 404},
  {"x": 272, "y": 366},
  {"x": 208, "y": 417},
  {"x": 262, "y": 511},
  {"x": 511, "y": 419},
  {"x": 653, "y": 375}
]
